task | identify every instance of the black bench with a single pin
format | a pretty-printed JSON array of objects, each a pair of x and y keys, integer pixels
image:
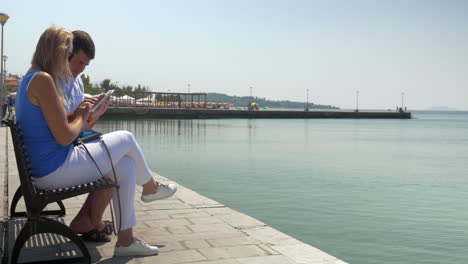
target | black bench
[{"x": 36, "y": 200}]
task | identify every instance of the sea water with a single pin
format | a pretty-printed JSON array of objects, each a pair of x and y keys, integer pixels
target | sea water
[{"x": 363, "y": 190}]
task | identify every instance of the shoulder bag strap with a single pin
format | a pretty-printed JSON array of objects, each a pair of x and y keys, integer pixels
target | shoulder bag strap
[{"x": 115, "y": 180}]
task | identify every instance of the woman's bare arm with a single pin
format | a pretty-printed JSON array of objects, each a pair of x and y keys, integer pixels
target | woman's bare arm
[{"x": 43, "y": 93}]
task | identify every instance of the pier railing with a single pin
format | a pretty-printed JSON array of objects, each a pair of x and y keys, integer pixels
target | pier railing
[{"x": 158, "y": 99}]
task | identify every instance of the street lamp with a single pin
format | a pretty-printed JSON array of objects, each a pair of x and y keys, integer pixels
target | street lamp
[
  {"x": 402, "y": 98},
  {"x": 3, "y": 19},
  {"x": 357, "y": 101},
  {"x": 191, "y": 98},
  {"x": 307, "y": 104},
  {"x": 250, "y": 104},
  {"x": 5, "y": 57}
]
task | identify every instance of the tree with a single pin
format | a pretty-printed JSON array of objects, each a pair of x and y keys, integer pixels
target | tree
[
  {"x": 88, "y": 87},
  {"x": 106, "y": 84},
  {"x": 127, "y": 88}
]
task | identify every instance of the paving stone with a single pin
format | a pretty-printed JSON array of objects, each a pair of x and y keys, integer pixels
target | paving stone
[
  {"x": 193, "y": 244},
  {"x": 106, "y": 252},
  {"x": 271, "y": 236},
  {"x": 190, "y": 197},
  {"x": 164, "y": 246},
  {"x": 174, "y": 257},
  {"x": 156, "y": 206},
  {"x": 153, "y": 231},
  {"x": 150, "y": 217},
  {"x": 204, "y": 235},
  {"x": 223, "y": 261},
  {"x": 336, "y": 261},
  {"x": 179, "y": 230},
  {"x": 221, "y": 227},
  {"x": 233, "y": 241},
  {"x": 240, "y": 220},
  {"x": 171, "y": 200},
  {"x": 117, "y": 260},
  {"x": 302, "y": 253},
  {"x": 217, "y": 210},
  {"x": 277, "y": 259},
  {"x": 175, "y": 211},
  {"x": 232, "y": 252},
  {"x": 205, "y": 220},
  {"x": 168, "y": 222},
  {"x": 268, "y": 249},
  {"x": 196, "y": 214}
]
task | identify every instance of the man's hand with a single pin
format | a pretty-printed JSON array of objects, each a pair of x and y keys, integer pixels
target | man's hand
[
  {"x": 91, "y": 100},
  {"x": 94, "y": 116}
]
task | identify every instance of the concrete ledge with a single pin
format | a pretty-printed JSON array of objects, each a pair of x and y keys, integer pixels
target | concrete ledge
[{"x": 177, "y": 113}]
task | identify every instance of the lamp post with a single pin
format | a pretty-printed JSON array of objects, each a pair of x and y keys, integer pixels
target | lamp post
[
  {"x": 5, "y": 57},
  {"x": 357, "y": 101},
  {"x": 402, "y": 99},
  {"x": 250, "y": 103},
  {"x": 3, "y": 19},
  {"x": 307, "y": 104},
  {"x": 191, "y": 98}
]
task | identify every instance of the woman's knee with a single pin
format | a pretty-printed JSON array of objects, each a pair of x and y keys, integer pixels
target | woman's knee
[
  {"x": 120, "y": 136},
  {"x": 127, "y": 135}
]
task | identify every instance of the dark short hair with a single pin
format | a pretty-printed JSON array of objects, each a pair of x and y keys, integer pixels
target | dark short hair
[{"x": 83, "y": 41}]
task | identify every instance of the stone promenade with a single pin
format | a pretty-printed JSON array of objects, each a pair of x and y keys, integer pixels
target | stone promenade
[{"x": 188, "y": 228}]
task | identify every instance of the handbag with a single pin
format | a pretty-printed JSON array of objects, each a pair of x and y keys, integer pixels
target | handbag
[{"x": 86, "y": 136}]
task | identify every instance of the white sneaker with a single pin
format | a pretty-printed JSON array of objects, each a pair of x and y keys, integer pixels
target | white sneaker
[
  {"x": 164, "y": 191},
  {"x": 137, "y": 248}
]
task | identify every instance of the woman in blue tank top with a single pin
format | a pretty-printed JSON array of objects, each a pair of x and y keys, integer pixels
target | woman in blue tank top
[{"x": 56, "y": 163}]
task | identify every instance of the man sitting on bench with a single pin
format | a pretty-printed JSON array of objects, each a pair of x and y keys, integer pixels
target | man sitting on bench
[{"x": 88, "y": 221}]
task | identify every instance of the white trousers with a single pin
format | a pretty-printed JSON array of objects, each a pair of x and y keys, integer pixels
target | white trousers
[{"x": 130, "y": 168}]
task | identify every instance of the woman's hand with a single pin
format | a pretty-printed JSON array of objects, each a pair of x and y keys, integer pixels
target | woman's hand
[{"x": 83, "y": 111}]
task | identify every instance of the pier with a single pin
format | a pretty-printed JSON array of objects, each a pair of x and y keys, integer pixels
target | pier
[{"x": 200, "y": 113}]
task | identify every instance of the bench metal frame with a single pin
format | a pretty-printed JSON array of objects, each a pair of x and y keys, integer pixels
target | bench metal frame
[{"x": 36, "y": 200}]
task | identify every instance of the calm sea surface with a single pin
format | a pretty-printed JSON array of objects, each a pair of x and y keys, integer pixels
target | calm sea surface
[{"x": 365, "y": 191}]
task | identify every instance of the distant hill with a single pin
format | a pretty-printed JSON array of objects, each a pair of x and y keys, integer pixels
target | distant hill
[{"x": 262, "y": 102}]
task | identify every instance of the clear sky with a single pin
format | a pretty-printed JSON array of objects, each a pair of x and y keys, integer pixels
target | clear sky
[{"x": 281, "y": 48}]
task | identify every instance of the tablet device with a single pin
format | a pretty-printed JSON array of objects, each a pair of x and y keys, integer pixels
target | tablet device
[{"x": 96, "y": 106}]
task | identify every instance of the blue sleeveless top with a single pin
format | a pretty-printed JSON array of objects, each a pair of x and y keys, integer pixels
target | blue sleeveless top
[{"x": 44, "y": 152}]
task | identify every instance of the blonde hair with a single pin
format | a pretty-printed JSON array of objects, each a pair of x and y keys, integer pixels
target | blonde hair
[{"x": 52, "y": 51}]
